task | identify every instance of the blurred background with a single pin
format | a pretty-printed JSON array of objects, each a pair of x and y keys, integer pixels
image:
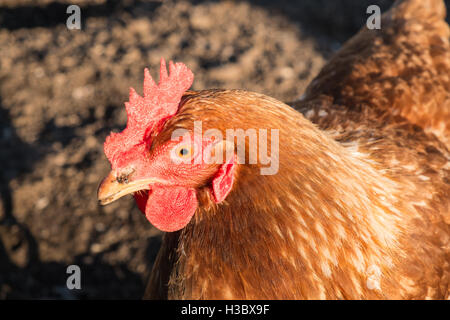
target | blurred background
[{"x": 62, "y": 91}]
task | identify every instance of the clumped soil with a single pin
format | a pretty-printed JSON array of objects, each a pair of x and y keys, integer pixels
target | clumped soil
[{"x": 62, "y": 92}]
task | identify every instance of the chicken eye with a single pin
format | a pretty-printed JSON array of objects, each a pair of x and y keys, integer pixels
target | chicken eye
[{"x": 184, "y": 151}]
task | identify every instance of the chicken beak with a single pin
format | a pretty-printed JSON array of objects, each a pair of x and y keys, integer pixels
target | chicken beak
[{"x": 111, "y": 189}]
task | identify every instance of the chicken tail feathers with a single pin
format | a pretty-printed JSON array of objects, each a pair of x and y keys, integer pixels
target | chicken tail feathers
[{"x": 401, "y": 68}]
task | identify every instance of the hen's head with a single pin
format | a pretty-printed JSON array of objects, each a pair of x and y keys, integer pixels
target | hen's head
[{"x": 163, "y": 167}]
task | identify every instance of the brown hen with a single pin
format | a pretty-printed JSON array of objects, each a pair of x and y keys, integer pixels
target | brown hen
[{"x": 360, "y": 205}]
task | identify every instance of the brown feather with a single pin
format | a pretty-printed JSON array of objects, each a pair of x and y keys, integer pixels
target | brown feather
[{"x": 404, "y": 67}]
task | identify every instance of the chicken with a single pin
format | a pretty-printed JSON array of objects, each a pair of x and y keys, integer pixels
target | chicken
[{"x": 359, "y": 206}]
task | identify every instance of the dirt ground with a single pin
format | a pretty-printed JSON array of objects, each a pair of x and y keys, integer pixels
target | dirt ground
[{"x": 62, "y": 92}]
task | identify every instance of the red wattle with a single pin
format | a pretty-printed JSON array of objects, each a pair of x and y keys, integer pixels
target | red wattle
[
  {"x": 141, "y": 199},
  {"x": 170, "y": 208}
]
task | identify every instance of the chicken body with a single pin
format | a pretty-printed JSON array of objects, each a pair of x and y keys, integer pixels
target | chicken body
[{"x": 360, "y": 206}]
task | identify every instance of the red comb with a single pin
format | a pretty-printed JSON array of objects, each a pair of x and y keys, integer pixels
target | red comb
[{"x": 147, "y": 114}]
